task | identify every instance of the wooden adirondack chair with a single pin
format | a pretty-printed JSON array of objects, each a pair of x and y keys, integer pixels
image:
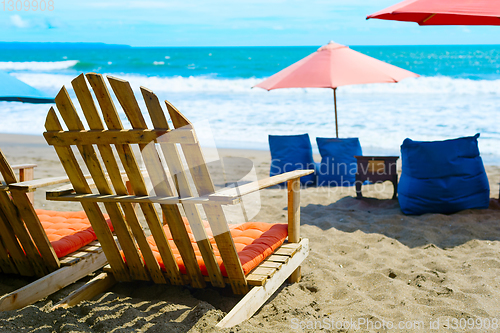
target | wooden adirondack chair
[
  {"x": 174, "y": 260},
  {"x": 24, "y": 246}
]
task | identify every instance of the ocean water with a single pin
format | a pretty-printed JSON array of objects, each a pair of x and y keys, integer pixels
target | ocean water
[{"x": 458, "y": 93}]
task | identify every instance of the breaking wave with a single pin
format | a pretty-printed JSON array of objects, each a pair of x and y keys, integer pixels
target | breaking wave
[
  {"x": 412, "y": 86},
  {"x": 37, "y": 65}
]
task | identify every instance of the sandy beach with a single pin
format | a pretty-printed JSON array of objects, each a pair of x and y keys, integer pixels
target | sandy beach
[{"x": 371, "y": 268}]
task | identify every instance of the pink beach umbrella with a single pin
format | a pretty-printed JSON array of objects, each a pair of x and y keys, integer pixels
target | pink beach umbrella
[
  {"x": 332, "y": 66},
  {"x": 443, "y": 12}
]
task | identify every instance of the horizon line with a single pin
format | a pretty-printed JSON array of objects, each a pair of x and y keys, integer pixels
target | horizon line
[{"x": 225, "y": 46}]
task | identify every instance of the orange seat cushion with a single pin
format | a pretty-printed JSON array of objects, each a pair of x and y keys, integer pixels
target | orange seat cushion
[
  {"x": 254, "y": 242},
  {"x": 67, "y": 231}
]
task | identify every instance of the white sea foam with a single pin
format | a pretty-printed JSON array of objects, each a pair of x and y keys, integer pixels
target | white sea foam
[
  {"x": 414, "y": 86},
  {"x": 422, "y": 85},
  {"x": 37, "y": 65},
  {"x": 381, "y": 115},
  {"x": 45, "y": 81}
]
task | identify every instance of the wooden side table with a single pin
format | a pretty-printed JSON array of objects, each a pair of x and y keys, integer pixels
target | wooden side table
[{"x": 376, "y": 169}]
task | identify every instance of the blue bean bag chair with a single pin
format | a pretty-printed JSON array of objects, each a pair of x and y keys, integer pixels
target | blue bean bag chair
[
  {"x": 338, "y": 166},
  {"x": 442, "y": 177},
  {"x": 292, "y": 152}
]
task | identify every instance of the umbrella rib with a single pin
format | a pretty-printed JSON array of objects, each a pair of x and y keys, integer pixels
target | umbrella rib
[{"x": 428, "y": 17}]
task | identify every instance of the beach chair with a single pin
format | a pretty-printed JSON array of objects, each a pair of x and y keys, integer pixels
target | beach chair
[
  {"x": 253, "y": 258},
  {"x": 57, "y": 247}
]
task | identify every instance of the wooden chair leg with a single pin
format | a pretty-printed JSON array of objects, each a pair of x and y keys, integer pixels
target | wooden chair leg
[
  {"x": 358, "y": 184},
  {"x": 395, "y": 185},
  {"x": 26, "y": 174},
  {"x": 294, "y": 220},
  {"x": 296, "y": 276},
  {"x": 257, "y": 296}
]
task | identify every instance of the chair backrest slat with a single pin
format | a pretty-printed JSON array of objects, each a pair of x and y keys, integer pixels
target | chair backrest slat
[
  {"x": 6, "y": 264},
  {"x": 15, "y": 256},
  {"x": 162, "y": 187},
  {"x": 109, "y": 113},
  {"x": 96, "y": 218},
  {"x": 215, "y": 214},
  {"x": 172, "y": 157},
  {"x": 68, "y": 111},
  {"x": 36, "y": 231},
  {"x": 34, "y": 255},
  {"x": 73, "y": 122},
  {"x": 87, "y": 103},
  {"x": 100, "y": 89},
  {"x": 12, "y": 217},
  {"x": 6, "y": 170},
  {"x": 127, "y": 100}
]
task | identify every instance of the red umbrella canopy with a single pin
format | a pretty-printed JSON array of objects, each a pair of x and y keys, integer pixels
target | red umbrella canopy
[
  {"x": 443, "y": 12},
  {"x": 332, "y": 66}
]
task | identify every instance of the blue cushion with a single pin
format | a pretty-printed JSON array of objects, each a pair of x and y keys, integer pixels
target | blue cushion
[
  {"x": 338, "y": 166},
  {"x": 442, "y": 176},
  {"x": 292, "y": 152}
]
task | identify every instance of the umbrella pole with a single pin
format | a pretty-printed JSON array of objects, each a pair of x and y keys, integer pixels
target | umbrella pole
[{"x": 335, "y": 103}]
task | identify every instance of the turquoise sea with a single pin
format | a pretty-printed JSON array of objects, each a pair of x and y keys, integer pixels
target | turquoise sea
[{"x": 458, "y": 93}]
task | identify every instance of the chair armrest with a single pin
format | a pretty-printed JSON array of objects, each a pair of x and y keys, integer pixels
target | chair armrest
[
  {"x": 226, "y": 197},
  {"x": 23, "y": 166},
  {"x": 236, "y": 192},
  {"x": 31, "y": 185},
  {"x": 26, "y": 172}
]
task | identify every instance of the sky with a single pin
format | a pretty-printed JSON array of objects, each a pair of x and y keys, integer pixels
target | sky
[{"x": 224, "y": 23}]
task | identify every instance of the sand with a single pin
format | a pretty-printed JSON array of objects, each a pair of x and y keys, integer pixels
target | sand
[{"x": 371, "y": 268}]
